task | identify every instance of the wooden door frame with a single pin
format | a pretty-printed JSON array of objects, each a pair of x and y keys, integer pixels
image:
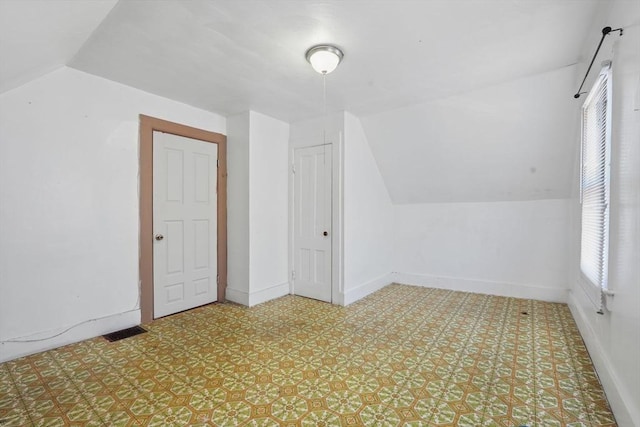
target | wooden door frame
[{"x": 147, "y": 126}]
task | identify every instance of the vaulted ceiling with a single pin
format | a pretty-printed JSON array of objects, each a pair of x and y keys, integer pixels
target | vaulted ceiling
[{"x": 461, "y": 100}]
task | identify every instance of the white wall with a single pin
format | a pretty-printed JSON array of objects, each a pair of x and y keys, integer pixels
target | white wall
[
  {"x": 257, "y": 208},
  {"x": 613, "y": 339},
  {"x": 505, "y": 248},
  {"x": 317, "y": 131},
  {"x": 479, "y": 182},
  {"x": 238, "y": 139},
  {"x": 368, "y": 217},
  {"x": 268, "y": 214},
  {"x": 69, "y": 206}
]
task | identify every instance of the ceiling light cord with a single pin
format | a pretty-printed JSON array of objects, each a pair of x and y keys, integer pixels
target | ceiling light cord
[
  {"x": 324, "y": 59},
  {"x": 324, "y": 103}
]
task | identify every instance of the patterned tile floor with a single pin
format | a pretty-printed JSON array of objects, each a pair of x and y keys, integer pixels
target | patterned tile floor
[{"x": 402, "y": 356}]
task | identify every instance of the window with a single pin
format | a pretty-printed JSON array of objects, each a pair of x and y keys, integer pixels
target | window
[{"x": 594, "y": 183}]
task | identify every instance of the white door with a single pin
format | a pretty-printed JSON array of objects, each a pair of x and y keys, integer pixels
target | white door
[
  {"x": 184, "y": 223},
  {"x": 312, "y": 222}
]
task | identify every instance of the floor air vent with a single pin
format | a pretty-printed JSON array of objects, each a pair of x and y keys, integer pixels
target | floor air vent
[{"x": 125, "y": 333}]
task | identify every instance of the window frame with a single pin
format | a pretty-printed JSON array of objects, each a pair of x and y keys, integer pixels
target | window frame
[{"x": 601, "y": 282}]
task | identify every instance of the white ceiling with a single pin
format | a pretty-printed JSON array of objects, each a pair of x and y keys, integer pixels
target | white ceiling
[
  {"x": 461, "y": 100},
  {"x": 229, "y": 56}
]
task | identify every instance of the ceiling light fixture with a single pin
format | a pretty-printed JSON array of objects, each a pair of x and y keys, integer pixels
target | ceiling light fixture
[{"x": 324, "y": 58}]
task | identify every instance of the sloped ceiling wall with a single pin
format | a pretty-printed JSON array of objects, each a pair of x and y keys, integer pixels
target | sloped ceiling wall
[
  {"x": 38, "y": 36},
  {"x": 460, "y": 100},
  {"x": 513, "y": 141}
]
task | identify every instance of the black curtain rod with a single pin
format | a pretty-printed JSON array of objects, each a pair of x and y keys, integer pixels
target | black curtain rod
[{"x": 605, "y": 32}]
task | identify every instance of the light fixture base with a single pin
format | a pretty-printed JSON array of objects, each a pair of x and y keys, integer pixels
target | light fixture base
[{"x": 324, "y": 58}]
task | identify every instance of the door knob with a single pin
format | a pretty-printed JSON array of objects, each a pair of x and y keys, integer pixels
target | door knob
[
  {"x": 325, "y": 233},
  {"x": 159, "y": 237}
]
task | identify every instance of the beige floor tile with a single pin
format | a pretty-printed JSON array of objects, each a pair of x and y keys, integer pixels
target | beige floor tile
[{"x": 402, "y": 356}]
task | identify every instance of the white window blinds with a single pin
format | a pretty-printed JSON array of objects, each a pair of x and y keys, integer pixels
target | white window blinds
[{"x": 594, "y": 183}]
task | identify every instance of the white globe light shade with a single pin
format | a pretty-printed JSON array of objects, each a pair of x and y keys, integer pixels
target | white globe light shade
[{"x": 324, "y": 58}]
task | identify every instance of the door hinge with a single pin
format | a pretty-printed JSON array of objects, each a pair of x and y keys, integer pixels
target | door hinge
[
  {"x": 293, "y": 275},
  {"x": 217, "y": 279},
  {"x": 293, "y": 168},
  {"x": 218, "y": 163}
]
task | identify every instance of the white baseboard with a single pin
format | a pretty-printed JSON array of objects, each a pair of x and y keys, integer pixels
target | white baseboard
[
  {"x": 359, "y": 292},
  {"x": 237, "y": 296},
  {"x": 267, "y": 294},
  {"x": 551, "y": 294},
  {"x": 625, "y": 408},
  {"x": 10, "y": 350},
  {"x": 337, "y": 299},
  {"x": 257, "y": 297}
]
